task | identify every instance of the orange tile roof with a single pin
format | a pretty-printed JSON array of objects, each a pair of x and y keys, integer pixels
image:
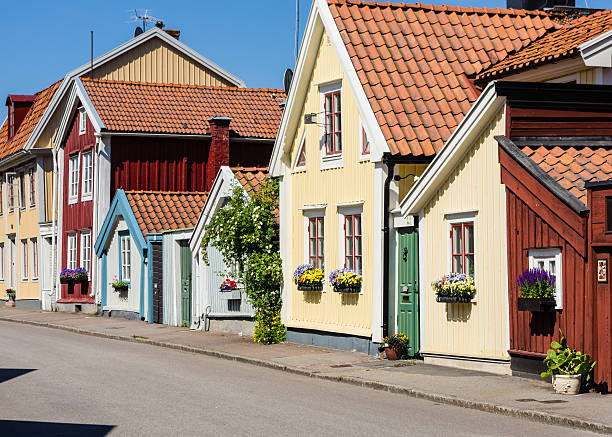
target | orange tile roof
[
  {"x": 412, "y": 61},
  {"x": 250, "y": 177},
  {"x": 184, "y": 109},
  {"x": 30, "y": 121},
  {"x": 571, "y": 167},
  {"x": 554, "y": 46},
  {"x": 162, "y": 211}
]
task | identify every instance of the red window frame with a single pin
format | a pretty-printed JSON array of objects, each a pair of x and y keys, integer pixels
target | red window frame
[
  {"x": 301, "y": 160},
  {"x": 317, "y": 258},
  {"x": 352, "y": 239},
  {"x": 365, "y": 143},
  {"x": 32, "y": 183},
  {"x": 463, "y": 254},
  {"x": 333, "y": 131}
]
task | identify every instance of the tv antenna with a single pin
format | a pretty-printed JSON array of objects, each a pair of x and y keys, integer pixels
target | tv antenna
[{"x": 144, "y": 16}]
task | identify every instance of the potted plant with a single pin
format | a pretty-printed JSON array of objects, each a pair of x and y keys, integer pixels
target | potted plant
[
  {"x": 567, "y": 367},
  {"x": 80, "y": 275},
  {"x": 455, "y": 288},
  {"x": 67, "y": 276},
  {"x": 230, "y": 289},
  {"x": 537, "y": 289},
  {"x": 119, "y": 286},
  {"x": 10, "y": 294},
  {"x": 395, "y": 347},
  {"x": 308, "y": 278},
  {"x": 345, "y": 281}
]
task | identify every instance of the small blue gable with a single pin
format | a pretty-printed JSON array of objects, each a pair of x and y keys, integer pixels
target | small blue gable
[{"x": 119, "y": 207}]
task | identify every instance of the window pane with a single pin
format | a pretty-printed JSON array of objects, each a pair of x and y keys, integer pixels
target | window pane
[
  {"x": 457, "y": 244},
  {"x": 328, "y": 105},
  {"x": 320, "y": 246},
  {"x": 312, "y": 228},
  {"x": 358, "y": 264},
  {"x": 541, "y": 265},
  {"x": 337, "y": 102},
  {"x": 457, "y": 264},
  {"x": 357, "y": 225},
  {"x": 313, "y": 260},
  {"x": 357, "y": 245},
  {"x": 552, "y": 268},
  {"x": 349, "y": 262},
  {"x": 469, "y": 239},
  {"x": 338, "y": 143},
  {"x": 469, "y": 264},
  {"x": 337, "y": 123},
  {"x": 349, "y": 246},
  {"x": 320, "y": 228},
  {"x": 348, "y": 225},
  {"x": 313, "y": 247}
]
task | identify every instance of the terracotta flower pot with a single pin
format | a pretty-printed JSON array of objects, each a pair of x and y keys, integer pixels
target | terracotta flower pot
[{"x": 390, "y": 353}]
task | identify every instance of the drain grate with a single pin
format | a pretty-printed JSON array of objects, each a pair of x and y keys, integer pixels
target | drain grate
[{"x": 335, "y": 366}]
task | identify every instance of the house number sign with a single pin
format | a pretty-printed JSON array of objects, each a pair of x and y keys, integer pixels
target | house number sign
[{"x": 602, "y": 270}]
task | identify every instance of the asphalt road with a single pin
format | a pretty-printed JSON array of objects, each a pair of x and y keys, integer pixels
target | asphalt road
[{"x": 59, "y": 383}]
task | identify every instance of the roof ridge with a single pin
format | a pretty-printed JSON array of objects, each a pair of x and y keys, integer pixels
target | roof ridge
[
  {"x": 238, "y": 168},
  {"x": 179, "y": 85},
  {"x": 440, "y": 8}
]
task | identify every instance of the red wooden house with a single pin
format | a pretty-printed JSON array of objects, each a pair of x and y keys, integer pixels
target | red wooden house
[
  {"x": 556, "y": 165},
  {"x": 140, "y": 136}
]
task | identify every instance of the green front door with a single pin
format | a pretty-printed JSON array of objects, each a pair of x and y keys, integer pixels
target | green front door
[
  {"x": 185, "y": 283},
  {"x": 408, "y": 291}
]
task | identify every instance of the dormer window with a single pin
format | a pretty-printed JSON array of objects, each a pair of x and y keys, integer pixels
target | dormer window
[
  {"x": 18, "y": 106},
  {"x": 82, "y": 121}
]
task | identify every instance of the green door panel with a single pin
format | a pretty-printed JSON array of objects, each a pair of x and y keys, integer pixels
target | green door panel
[
  {"x": 185, "y": 283},
  {"x": 408, "y": 287}
]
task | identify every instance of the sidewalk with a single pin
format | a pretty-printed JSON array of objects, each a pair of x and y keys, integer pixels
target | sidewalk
[{"x": 532, "y": 399}]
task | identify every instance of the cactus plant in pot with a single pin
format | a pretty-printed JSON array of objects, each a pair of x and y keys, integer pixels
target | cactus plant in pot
[{"x": 567, "y": 367}]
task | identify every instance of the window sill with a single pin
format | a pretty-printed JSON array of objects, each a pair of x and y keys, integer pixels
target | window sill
[
  {"x": 86, "y": 198},
  {"x": 72, "y": 201}
]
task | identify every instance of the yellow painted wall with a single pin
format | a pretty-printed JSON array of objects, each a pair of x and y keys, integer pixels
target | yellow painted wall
[
  {"x": 330, "y": 311},
  {"x": 407, "y": 173},
  {"x": 23, "y": 224},
  {"x": 476, "y": 329},
  {"x": 156, "y": 61},
  {"x": 587, "y": 77}
]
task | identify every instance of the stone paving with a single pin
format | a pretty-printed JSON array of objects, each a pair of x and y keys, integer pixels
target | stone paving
[{"x": 530, "y": 398}]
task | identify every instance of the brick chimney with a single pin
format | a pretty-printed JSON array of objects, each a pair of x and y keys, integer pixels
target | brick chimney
[{"x": 218, "y": 154}]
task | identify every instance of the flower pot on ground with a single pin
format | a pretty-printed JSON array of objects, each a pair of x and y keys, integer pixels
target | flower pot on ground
[
  {"x": 345, "y": 281},
  {"x": 567, "y": 367},
  {"x": 308, "y": 278},
  {"x": 10, "y": 296},
  {"x": 454, "y": 288},
  {"x": 537, "y": 291},
  {"x": 396, "y": 346}
]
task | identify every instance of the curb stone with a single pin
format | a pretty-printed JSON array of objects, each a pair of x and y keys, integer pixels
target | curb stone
[{"x": 536, "y": 416}]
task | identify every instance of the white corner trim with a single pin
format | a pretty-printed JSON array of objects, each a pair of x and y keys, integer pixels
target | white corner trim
[
  {"x": 597, "y": 52},
  {"x": 117, "y": 51},
  {"x": 459, "y": 142}
]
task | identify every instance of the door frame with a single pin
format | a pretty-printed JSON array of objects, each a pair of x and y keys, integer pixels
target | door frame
[
  {"x": 405, "y": 232},
  {"x": 185, "y": 267}
]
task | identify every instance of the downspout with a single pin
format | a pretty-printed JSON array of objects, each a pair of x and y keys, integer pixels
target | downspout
[{"x": 390, "y": 163}]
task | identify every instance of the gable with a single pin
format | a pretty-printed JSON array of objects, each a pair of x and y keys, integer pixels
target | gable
[{"x": 155, "y": 61}]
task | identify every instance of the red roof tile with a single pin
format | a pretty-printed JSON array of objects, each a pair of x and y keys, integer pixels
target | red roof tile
[
  {"x": 571, "y": 167},
  {"x": 250, "y": 177},
  {"x": 162, "y": 211},
  {"x": 412, "y": 61},
  {"x": 553, "y": 46},
  {"x": 30, "y": 121},
  {"x": 184, "y": 109}
]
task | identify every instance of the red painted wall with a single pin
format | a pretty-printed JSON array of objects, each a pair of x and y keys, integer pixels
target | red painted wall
[
  {"x": 78, "y": 216},
  {"x": 525, "y": 122},
  {"x": 538, "y": 219}
]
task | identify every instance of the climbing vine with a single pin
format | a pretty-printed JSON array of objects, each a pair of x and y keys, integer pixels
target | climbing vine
[{"x": 245, "y": 232}]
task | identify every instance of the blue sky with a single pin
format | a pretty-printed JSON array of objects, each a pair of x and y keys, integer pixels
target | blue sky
[{"x": 253, "y": 39}]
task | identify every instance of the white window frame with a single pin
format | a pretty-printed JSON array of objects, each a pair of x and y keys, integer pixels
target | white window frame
[
  {"x": 71, "y": 253},
  {"x": 2, "y": 195},
  {"x": 546, "y": 255},
  {"x": 31, "y": 171},
  {"x": 314, "y": 212},
  {"x": 344, "y": 210},
  {"x": 362, "y": 131},
  {"x": 73, "y": 185},
  {"x": 35, "y": 258},
  {"x": 2, "y": 261},
  {"x": 302, "y": 147},
  {"x": 336, "y": 160},
  {"x": 87, "y": 177},
  {"x": 125, "y": 258},
  {"x": 82, "y": 121},
  {"x": 10, "y": 193},
  {"x": 23, "y": 190},
  {"x": 456, "y": 218},
  {"x": 24, "y": 259},
  {"x": 85, "y": 258}
]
